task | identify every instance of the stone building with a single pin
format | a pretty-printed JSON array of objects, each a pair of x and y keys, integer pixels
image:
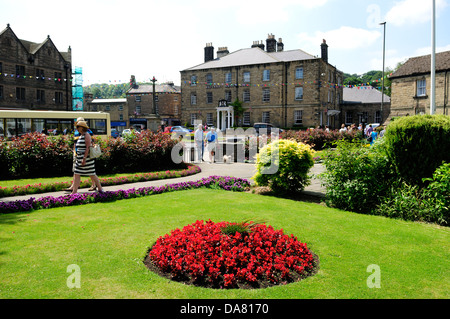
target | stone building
[
  {"x": 363, "y": 105},
  {"x": 411, "y": 86},
  {"x": 141, "y": 110},
  {"x": 34, "y": 76},
  {"x": 117, "y": 108},
  {"x": 284, "y": 88}
]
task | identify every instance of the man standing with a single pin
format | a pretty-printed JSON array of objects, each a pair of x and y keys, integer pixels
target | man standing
[
  {"x": 211, "y": 139},
  {"x": 199, "y": 144}
]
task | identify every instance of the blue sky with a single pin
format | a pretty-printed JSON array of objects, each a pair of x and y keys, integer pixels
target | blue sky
[{"x": 111, "y": 39}]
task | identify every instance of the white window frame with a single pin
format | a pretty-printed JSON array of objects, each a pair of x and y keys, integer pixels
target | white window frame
[
  {"x": 266, "y": 75},
  {"x": 246, "y": 120},
  {"x": 193, "y": 98},
  {"x": 299, "y": 73},
  {"x": 266, "y": 117},
  {"x": 247, "y": 77},
  {"x": 193, "y": 80},
  {"x": 377, "y": 117},
  {"x": 228, "y": 78},
  {"x": 348, "y": 118},
  {"x": 422, "y": 87},
  {"x": 193, "y": 118},
  {"x": 266, "y": 95},
  {"x": 209, "y": 119},
  {"x": 299, "y": 93},
  {"x": 209, "y": 97},
  {"x": 298, "y": 117},
  {"x": 228, "y": 96},
  {"x": 246, "y": 96}
]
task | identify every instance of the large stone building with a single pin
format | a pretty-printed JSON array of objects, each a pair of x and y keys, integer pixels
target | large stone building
[
  {"x": 165, "y": 110},
  {"x": 411, "y": 86},
  {"x": 284, "y": 88},
  {"x": 34, "y": 75},
  {"x": 117, "y": 108}
]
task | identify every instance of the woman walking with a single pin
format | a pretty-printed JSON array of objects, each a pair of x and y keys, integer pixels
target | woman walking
[{"x": 84, "y": 166}]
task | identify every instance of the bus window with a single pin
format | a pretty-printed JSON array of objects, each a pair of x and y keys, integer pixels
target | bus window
[
  {"x": 66, "y": 126},
  {"x": 2, "y": 128},
  {"x": 10, "y": 128},
  {"x": 38, "y": 125},
  {"x": 23, "y": 126},
  {"x": 98, "y": 126}
]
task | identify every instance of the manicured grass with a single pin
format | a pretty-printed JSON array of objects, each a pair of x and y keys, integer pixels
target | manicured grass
[{"x": 109, "y": 241}]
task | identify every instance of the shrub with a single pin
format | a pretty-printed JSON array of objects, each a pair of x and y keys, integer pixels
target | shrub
[
  {"x": 417, "y": 145},
  {"x": 357, "y": 177},
  {"x": 320, "y": 139},
  {"x": 284, "y": 165}
]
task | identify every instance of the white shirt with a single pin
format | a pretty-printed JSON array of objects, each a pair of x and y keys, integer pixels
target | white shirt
[{"x": 198, "y": 136}]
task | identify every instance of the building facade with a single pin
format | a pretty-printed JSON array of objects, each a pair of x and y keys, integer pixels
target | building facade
[
  {"x": 149, "y": 112},
  {"x": 34, "y": 76},
  {"x": 363, "y": 105},
  {"x": 284, "y": 88},
  {"x": 117, "y": 108},
  {"x": 411, "y": 86}
]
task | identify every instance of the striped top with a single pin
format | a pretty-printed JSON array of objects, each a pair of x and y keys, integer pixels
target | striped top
[{"x": 89, "y": 168}]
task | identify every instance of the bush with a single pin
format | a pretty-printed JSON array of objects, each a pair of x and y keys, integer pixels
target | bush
[
  {"x": 357, "y": 177},
  {"x": 417, "y": 145},
  {"x": 284, "y": 165},
  {"x": 320, "y": 139}
]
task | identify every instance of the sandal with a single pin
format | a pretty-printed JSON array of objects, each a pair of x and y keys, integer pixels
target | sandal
[
  {"x": 68, "y": 190},
  {"x": 93, "y": 188}
]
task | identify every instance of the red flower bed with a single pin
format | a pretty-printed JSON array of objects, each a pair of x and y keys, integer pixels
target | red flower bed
[{"x": 201, "y": 254}]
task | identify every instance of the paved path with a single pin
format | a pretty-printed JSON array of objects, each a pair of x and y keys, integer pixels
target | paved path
[{"x": 240, "y": 170}]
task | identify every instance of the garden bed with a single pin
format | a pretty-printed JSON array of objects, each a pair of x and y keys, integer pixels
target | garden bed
[{"x": 227, "y": 255}]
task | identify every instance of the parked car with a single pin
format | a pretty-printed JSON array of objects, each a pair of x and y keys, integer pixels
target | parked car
[
  {"x": 265, "y": 126},
  {"x": 115, "y": 133},
  {"x": 180, "y": 130}
]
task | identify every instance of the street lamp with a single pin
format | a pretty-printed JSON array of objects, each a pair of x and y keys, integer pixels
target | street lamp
[
  {"x": 154, "y": 96},
  {"x": 382, "y": 81}
]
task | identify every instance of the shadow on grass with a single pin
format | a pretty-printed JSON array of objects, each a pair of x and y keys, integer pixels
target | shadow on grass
[{"x": 304, "y": 196}]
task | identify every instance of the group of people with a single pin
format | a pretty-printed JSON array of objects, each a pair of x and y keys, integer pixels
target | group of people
[
  {"x": 83, "y": 164},
  {"x": 201, "y": 139}
]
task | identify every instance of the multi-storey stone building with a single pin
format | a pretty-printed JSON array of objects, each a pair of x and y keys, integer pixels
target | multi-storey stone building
[
  {"x": 284, "y": 88},
  {"x": 117, "y": 108},
  {"x": 411, "y": 86},
  {"x": 165, "y": 110},
  {"x": 34, "y": 75}
]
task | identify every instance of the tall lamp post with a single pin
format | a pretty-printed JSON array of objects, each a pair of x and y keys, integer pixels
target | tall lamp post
[
  {"x": 433, "y": 60},
  {"x": 382, "y": 81},
  {"x": 154, "y": 96}
]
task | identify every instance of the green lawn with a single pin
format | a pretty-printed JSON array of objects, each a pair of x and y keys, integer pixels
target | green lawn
[{"x": 109, "y": 241}]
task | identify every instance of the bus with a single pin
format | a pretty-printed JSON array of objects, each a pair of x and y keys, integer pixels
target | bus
[{"x": 14, "y": 123}]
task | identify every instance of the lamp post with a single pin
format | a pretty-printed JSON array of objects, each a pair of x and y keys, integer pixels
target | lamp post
[
  {"x": 382, "y": 81},
  {"x": 433, "y": 60},
  {"x": 154, "y": 96}
]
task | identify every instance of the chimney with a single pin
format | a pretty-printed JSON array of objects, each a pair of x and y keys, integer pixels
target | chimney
[
  {"x": 209, "y": 52},
  {"x": 324, "y": 47},
  {"x": 223, "y": 51},
  {"x": 271, "y": 43},
  {"x": 258, "y": 44},
  {"x": 280, "y": 45}
]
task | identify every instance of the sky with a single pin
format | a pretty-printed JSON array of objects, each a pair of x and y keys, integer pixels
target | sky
[{"x": 112, "y": 40}]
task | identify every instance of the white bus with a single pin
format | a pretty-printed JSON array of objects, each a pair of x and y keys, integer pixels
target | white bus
[{"x": 20, "y": 122}]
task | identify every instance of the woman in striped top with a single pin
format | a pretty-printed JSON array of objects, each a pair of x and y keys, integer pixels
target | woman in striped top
[{"x": 84, "y": 165}]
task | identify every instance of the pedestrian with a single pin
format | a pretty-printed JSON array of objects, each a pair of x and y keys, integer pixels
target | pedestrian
[
  {"x": 211, "y": 139},
  {"x": 84, "y": 166},
  {"x": 373, "y": 136},
  {"x": 76, "y": 136},
  {"x": 199, "y": 142},
  {"x": 343, "y": 129}
]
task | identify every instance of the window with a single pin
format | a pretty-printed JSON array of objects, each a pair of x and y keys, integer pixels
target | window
[
  {"x": 20, "y": 94},
  {"x": 193, "y": 80},
  {"x": 1, "y": 91},
  {"x": 348, "y": 118},
  {"x": 209, "y": 119},
  {"x": 120, "y": 117},
  {"x": 228, "y": 96},
  {"x": 246, "y": 77},
  {"x": 107, "y": 108},
  {"x": 20, "y": 70},
  {"x": 40, "y": 96},
  {"x": 120, "y": 107},
  {"x": 209, "y": 78},
  {"x": 138, "y": 110},
  {"x": 378, "y": 117},
  {"x": 209, "y": 97},
  {"x": 266, "y": 75},
  {"x": 298, "y": 117},
  {"x": 247, "y": 118},
  {"x": 422, "y": 87},
  {"x": 58, "y": 98},
  {"x": 193, "y": 118},
  {"x": 40, "y": 75},
  {"x": 137, "y": 98},
  {"x": 299, "y": 93},
  {"x": 266, "y": 117},
  {"x": 266, "y": 95},
  {"x": 246, "y": 96},
  {"x": 298, "y": 73},
  {"x": 228, "y": 78},
  {"x": 1, "y": 67},
  {"x": 193, "y": 98}
]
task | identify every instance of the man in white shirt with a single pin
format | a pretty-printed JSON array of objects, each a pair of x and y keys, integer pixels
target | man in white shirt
[{"x": 198, "y": 137}]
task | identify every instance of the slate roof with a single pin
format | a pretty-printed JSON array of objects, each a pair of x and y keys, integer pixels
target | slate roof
[
  {"x": 363, "y": 95},
  {"x": 253, "y": 56},
  {"x": 159, "y": 88},
  {"x": 422, "y": 65},
  {"x": 108, "y": 101}
]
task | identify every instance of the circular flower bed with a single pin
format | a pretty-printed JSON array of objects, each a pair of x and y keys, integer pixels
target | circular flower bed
[{"x": 231, "y": 255}]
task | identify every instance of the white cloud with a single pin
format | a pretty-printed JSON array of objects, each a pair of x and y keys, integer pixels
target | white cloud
[
  {"x": 344, "y": 38},
  {"x": 413, "y": 11},
  {"x": 427, "y": 50}
]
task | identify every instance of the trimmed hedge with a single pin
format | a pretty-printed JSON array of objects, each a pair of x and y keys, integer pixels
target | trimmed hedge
[{"x": 418, "y": 145}]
